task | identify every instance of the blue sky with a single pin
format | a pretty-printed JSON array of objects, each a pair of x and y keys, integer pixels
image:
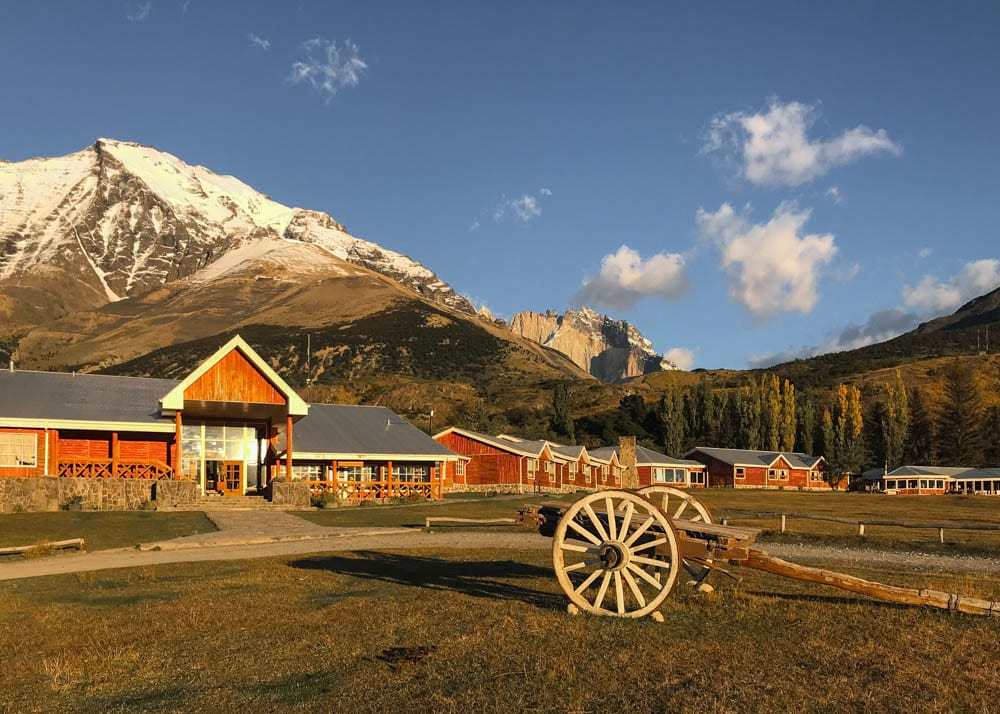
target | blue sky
[{"x": 778, "y": 174}]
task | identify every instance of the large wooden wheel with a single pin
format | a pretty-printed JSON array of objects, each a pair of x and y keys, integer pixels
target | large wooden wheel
[
  {"x": 676, "y": 503},
  {"x": 615, "y": 553}
]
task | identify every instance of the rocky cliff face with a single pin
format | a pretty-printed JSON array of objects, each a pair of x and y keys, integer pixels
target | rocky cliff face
[
  {"x": 611, "y": 350},
  {"x": 119, "y": 219}
]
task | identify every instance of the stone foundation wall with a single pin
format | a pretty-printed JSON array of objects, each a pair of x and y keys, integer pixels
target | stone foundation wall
[
  {"x": 513, "y": 488},
  {"x": 54, "y": 494},
  {"x": 285, "y": 493},
  {"x": 172, "y": 494}
]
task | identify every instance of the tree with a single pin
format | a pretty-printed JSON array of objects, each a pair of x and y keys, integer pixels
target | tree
[
  {"x": 959, "y": 424},
  {"x": 829, "y": 439},
  {"x": 788, "y": 424},
  {"x": 807, "y": 424},
  {"x": 771, "y": 404},
  {"x": 991, "y": 437},
  {"x": 749, "y": 416},
  {"x": 893, "y": 413},
  {"x": 672, "y": 420},
  {"x": 562, "y": 419},
  {"x": 921, "y": 444}
]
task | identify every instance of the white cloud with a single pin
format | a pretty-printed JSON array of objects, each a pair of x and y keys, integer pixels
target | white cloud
[
  {"x": 773, "y": 147},
  {"x": 474, "y": 226},
  {"x": 681, "y": 357},
  {"x": 835, "y": 194},
  {"x": 925, "y": 253},
  {"x": 524, "y": 208},
  {"x": 138, "y": 11},
  {"x": 258, "y": 41},
  {"x": 328, "y": 68},
  {"x": 625, "y": 278},
  {"x": 774, "y": 266},
  {"x": 933, "y": 297},
  {"x": 847, "y": 273},
  {"x": 184, "y": 6}
]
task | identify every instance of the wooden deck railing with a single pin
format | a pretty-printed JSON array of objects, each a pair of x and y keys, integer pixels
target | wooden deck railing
[
  {"x": 358, "y": 491},
  {"x": 107, "y": 468}
]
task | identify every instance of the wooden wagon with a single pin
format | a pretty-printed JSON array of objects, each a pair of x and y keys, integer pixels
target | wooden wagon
[{"x": 620, "y": 553}]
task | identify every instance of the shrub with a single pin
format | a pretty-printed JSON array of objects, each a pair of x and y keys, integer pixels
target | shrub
[{"x": 324, "y": 500}]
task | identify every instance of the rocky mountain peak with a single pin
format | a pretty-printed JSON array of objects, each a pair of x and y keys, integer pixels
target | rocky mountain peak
[{"x": 611, "y": 350}]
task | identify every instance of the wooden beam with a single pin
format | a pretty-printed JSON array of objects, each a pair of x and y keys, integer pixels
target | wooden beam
[
  {"x": 179, "y": 465},
  {"x": 388, "y": 476},
  {"x": 114, "y": 454},
  {"x": 288, "y": 449}
]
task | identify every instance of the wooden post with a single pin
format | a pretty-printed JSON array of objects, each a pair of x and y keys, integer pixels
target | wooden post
[
  {"x": 861, "y": 530},
  {"x": 388, "y": 479},
  {"x": 782, "y": 522},
  {"x": 941, "y": 534},
  {"x": 114, "y": 454},
  {"x": 288, "y": 449},
  {"x": 179, "y": 466},
  {"x": 725, "y": 521}
]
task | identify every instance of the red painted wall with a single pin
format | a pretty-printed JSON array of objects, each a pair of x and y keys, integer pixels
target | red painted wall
[{"x": 489, "y": 465}]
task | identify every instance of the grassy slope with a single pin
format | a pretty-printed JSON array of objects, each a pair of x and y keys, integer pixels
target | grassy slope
[
  {"x": 485, "y": 631},
  {"x": 100, "y": 529}
]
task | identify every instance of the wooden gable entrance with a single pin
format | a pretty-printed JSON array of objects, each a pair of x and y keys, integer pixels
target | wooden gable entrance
[{"x": 234, "y": 379}]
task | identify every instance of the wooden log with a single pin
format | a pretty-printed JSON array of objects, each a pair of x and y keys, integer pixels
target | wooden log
[
  {"x": 759, "y": 560},
  {"x": 77, "y": 543},
  {"x": 782, "y": 522},
  {"x": 474, "y": 521}
]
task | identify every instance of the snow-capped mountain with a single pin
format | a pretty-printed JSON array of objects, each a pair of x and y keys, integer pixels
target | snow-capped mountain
[
  {"x": 610, "y": 350},
  {"x": 119, "y": 219}
]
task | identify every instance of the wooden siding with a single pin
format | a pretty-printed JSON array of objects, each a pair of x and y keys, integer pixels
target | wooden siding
[
  {"x": 234, "y": 379},
  {"x": 489, "y": 466},
  {"x": 69, "y": 445},
  {"x": 719, "y": 473}
]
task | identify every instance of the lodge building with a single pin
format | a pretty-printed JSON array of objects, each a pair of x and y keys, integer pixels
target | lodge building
[
  {"x": 232, "y": 427},
  {"x": 933, "y": 480},
  {"x": 748, "y": 468}
]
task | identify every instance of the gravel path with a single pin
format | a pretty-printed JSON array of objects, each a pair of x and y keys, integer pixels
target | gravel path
[{"x": 348, "y": 539}]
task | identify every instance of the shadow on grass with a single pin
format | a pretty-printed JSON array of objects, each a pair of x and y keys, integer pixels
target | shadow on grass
[
  {"x": 478, "y": 578},
  {"x": 829, "y": 599}
]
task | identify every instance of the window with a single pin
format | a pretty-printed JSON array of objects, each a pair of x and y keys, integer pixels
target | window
[
  {"x": 741, "y": 472},
  {"x": 308, "y": 472},
  {"x": 815, "y": 476},
  {"x": 18, "y": 449},
  {"x": 778, "y": 474},
  {"x": 460, "y": 468},
  {"x": 913, "y": 483},
  {"x": 698, "y": 477},
  {"x": 662, "y": 474},
  {"x": 618, "y": 474},
  {"x": 586, "y": 473},
  {"x": 532, "y": 465},
  {"x": 354, "y": 473},
  {"x": 550, "y": 468},
  {"x": 411, "y": 472},
  {"x": 940, "y": 484},
  {"x": 572, "y": 471}
]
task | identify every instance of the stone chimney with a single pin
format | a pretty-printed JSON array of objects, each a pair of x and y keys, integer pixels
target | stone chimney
[{"x": 627, "y": 458}]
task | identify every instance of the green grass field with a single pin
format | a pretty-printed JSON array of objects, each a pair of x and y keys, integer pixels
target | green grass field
[
  {"x": 100, "y": 529},
  {"x": 483, "y": 631}
]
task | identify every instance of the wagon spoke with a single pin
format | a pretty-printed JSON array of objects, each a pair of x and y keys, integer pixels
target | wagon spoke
[
  {"x": 598, "y": 526},
  {"x": 680, "y": 510},
  {"x": 627, "y": 520},
  {"x": 609, "y": 508},
  {"x": 584, "y": 532},
  {"x": 619, "y": 592},
  {"x": 589, "y": 581},
  {"x": 650, "y": 544},
  {"x": 582, "y": 564},
  {"x": 651, "y": 561},
  {"x": 634, "y": 587},
  {"x": 644, "y": 575},
  {"x": 697, "y": 518},
  {"x": 602, "y": 591},
  {"x": 639, "y": 531}
]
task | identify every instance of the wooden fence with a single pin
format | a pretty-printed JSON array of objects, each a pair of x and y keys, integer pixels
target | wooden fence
[
  {"x": 109, "y": 468},
  {"x": 361, "y": 491},
  {"x": 862, "y": 523}
]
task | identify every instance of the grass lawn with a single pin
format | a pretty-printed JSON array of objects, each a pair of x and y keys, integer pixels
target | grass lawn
[
  {"x": 100, "y": 529},
  {"x": 734, "y": 505},
  {"x": 478, "y": 631}
]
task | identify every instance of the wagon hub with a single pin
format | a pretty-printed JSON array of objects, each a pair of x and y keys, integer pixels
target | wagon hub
[{"x": 613, "y": 555}]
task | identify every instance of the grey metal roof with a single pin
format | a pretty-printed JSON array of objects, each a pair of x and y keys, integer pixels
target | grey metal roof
[
  {"x": 751, "y": 457},
  {"x": 979, "y": 474},
  {"x": 928, "y": 471},
  {"x": 352, "y": 429},
  {"x": 644, "y": 457},
  {"x": 81, "y": 397},
  {"x": 567, "y": 451}
]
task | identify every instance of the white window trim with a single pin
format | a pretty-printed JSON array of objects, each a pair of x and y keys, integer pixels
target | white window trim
[{"x": 741, "y": 473}]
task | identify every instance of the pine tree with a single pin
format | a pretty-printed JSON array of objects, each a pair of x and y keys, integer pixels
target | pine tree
[
  {"x": 771, "y": 412},
  {"x": 829, "y": 447},
  {"x": 991, "y": 437},
  {"x": 854, "y": 442},
  {"x": 959, "y": 425},
  {"x": 562, "y": 419},
  {"x": 788, "y": 423},
  {"x": 921, "y": 444},
  {"x": 749, "y": 416}
]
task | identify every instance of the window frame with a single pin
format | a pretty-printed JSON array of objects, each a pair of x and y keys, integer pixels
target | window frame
[{"x": 16, "y": 452}]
